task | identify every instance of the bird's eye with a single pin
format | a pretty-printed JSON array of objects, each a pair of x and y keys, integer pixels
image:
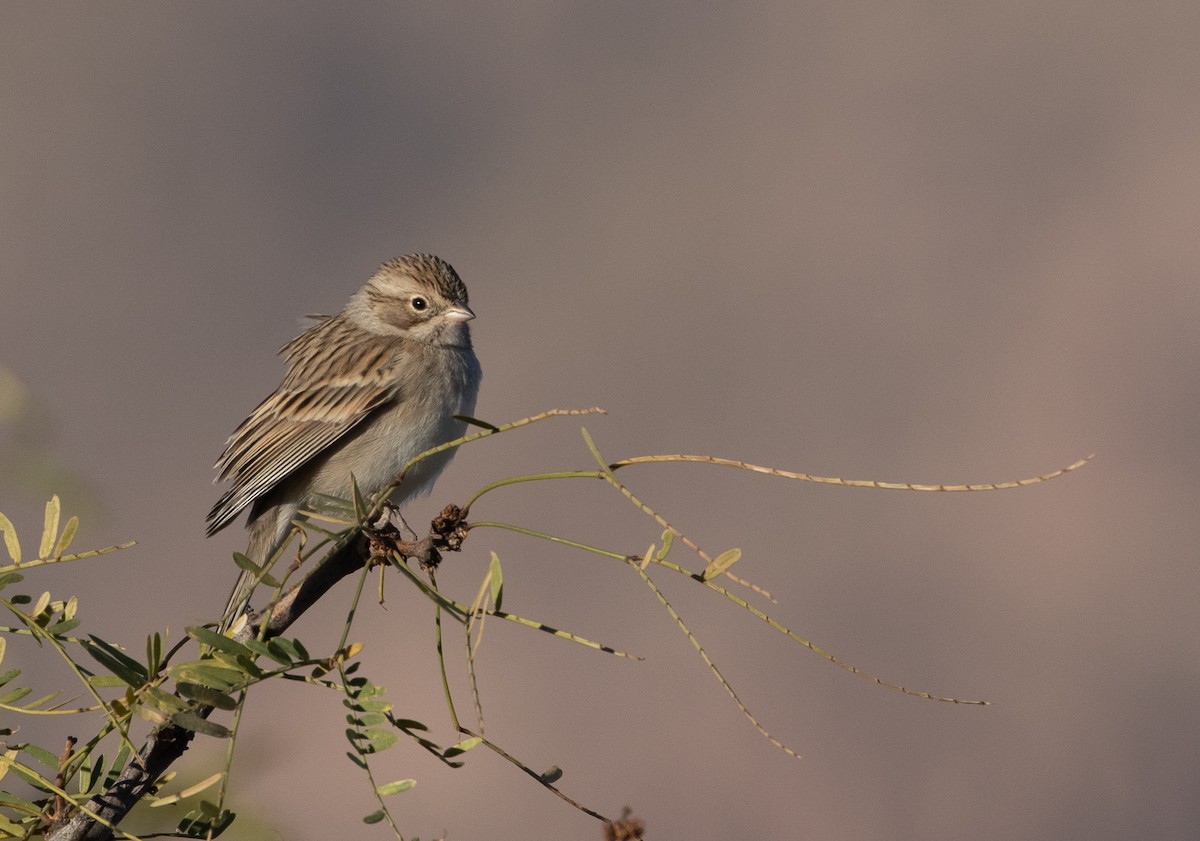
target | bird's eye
[{"x": 419, "y": 303}]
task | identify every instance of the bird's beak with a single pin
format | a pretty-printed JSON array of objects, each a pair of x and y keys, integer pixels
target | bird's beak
[{"x": 458, "y": 313}]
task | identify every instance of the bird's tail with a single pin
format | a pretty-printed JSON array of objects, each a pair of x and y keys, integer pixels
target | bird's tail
[
  {"x": 268, "y": 536},
  {"x": 239, "y": 600}
]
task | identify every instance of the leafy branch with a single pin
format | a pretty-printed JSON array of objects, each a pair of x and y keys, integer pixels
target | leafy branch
[{"x": 204, "y": 693}]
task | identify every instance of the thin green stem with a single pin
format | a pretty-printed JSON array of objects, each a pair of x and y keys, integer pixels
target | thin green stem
[
  {"x": 533, "y": 477},
  {"x": 616, "y": 556},
  {"x": 362, "y": 580},
  {"x": 453, "y": 607},
  {"x": 365, "y": 765},
  {"x": 39, "y": 562},
  {"x": 476, "y": 436},
  {"x": 441, "y": 654},
  {"x": 541, "y": 778},
  {"x": 230, "y": 744}
]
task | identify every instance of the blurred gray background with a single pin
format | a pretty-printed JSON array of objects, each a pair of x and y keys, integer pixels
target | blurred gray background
[{"x": 928, "y": 243}]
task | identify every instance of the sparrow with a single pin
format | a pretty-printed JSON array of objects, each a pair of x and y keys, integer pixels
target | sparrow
[{"x": 365, "y": 391}]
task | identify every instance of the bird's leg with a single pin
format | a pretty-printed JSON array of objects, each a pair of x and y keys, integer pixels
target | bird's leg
[
  {"x": 447, "y": 532},
  {"x": 390, "y": 531},
  {"x": 391, "y": 523}
]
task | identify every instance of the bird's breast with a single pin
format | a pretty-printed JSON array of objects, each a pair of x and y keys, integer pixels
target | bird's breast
[{"x": 419, "y": 419}]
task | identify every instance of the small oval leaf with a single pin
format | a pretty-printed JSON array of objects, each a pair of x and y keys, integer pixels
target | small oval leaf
[
  {"x": 205, "y": 695},
  {"x": 394, "y": 787},
  {"x": 244, "y": 563},
  {"x": 721, "y": 563},
  {"x": 496, "y": 581},
  {"x": 10, "y": 539},
  {"x": 461, "y": 747},
  {"x": 50, "y": 531},
  {"x": 68, "y": 534},
  {"x": 193, "y": 722}
]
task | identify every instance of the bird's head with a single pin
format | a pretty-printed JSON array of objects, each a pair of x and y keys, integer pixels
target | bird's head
[{"x": 417, "y": 296}]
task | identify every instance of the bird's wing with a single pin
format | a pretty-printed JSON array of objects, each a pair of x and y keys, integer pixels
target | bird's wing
[{"x": 306, "y": 415}]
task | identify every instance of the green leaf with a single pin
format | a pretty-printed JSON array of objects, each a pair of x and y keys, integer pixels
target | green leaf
[
  {"x": 381, "y": 739},
  {"x": 68, "y": 535},
  {"x": 360, "y": 506},
  {"x": 461, "y": 747},
  {"x": 10, "y": 577},
  {"x": 33, "y": 705},
  {"x": 361, "y": 763},
  {"x": 269, "y": 649},
  {"x": 147, "y": 713},
  {"x": 394, "y": 787},
  {"x": 294, "y": 648},
  {"x": 118, "y": 764},
  {"x": 366, "y": 719},
  {"x": 206, "y": 674},
  {"x": 50, "y": 531},
  {"x": 115, "y": 660},
  {"x": 667, "y": 537},
  {"x": 374, "y": 817},
  {"x": 477, "y": 422},
  {"x": 43, "y": 756},
  {"x": 243, "y": 663},
  {"x": 32, "y": 777},
  {"x": 13, "y": 830},
  {"x": 244, "y": 563},
  {"x": 15, "y": 695},
  {"x": 164, "y": 701},
  {"x": 206, "y": 696},
  {"x": 220, "y": 642},
  {"x": 63, "y": 627},
  {"x": 9, "y": 675},
  {"x": 205, "y": 822},
  {"x": 371, "y": 706},
  {"x": 10, "y": 539},
  {"x": 11, "y": 801},
  {"x": 40, "y": 605},
  {"x": 721, "y": 563},
  {"x": 3, "y": 648},
  {"x": 355, "y": 737},
  {"x": 90, "y": 774},
  {"x": 105, "y": 681},
  {"x": 193, "y": 722},
  {"x": 497, "y": 581}
]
